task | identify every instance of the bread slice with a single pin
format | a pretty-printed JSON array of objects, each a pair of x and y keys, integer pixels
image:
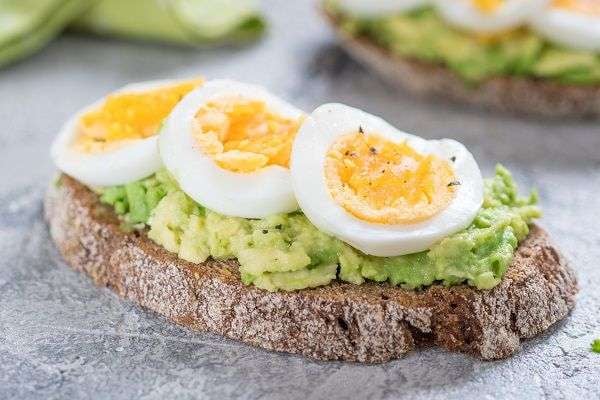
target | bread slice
[
  {"x": 368, "y": 323},
  {"x": 513, "y": 94}
]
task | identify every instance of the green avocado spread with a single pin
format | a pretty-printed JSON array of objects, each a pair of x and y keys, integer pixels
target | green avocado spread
[
  {"x": 286, "y": 252},
  {"x": 423, "y": 35}
]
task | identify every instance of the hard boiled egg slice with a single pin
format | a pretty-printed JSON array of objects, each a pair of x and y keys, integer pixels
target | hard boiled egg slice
[
  {"x": 488, "y": 16},
  {"x": 371, "y": 8},
  {"x": 228, "y": 145},
  {"x": 114, "y": 141},
  {"x": 381, "y": 190},
  {"x": 572, "y": 23}
]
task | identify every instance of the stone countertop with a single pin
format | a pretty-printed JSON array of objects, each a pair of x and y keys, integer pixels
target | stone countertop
[{"x": 61, "y": 337}]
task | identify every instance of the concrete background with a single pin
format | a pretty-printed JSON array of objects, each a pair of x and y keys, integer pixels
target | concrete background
[{"x": 61, "y": 337}]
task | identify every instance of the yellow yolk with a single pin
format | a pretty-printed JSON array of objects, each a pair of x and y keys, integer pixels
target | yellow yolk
[
  {"x": 244, "y": 135},
  {"x": 380, "y": 181},
  {"x": 487, "y": 6},
  {"x": 128, "y": 116},
  {"x": 590, "y": 7}
]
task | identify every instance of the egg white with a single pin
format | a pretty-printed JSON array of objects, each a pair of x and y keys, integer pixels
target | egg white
[
  {"x": 372, "y": 8},
  {"x": 464, "y": 14},
  {"x": 129, "y": 162},
  {"x": 249, "y": 195},
  {"x": 569, "y": 28},
  {"x": 320, "y": 131}
]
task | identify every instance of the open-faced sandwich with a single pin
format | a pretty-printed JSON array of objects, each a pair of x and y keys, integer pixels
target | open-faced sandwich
[
  {"x": 529, "y": 56},
  {"x": 333, "y": 235}
]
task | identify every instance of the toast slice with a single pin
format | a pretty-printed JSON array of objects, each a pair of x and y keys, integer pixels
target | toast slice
[
  {"x": 371, "y": 322},
  {"x": 520, "y": 95}
]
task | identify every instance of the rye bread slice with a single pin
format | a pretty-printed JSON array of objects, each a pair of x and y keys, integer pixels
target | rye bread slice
[
  {"x": 367, "y": 323},
  {"x": 520, "y": 95}
]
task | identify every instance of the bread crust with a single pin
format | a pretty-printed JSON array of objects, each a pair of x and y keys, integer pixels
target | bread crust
[
  {"x": 366, "y": 323},
  {"x": 519, "y": 95}
]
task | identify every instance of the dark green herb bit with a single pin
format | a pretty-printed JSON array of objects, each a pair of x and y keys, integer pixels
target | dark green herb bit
[{"x": 596, "y": 346}]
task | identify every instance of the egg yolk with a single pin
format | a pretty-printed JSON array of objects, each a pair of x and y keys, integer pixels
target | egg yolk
[
  {"x": 128, "y": 116},
  {"x": 490, "y": 7},
  {"x": 384, "y": 182},
  {"x": 590, "y": 7},
  {"x": 243, "y": 135},
  {"x": 487, "y": 6}
]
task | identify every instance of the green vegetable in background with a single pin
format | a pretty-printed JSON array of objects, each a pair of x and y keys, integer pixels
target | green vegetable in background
[
  {"x": 175, "y": 21},
  {"x": 28, "y": 25}
]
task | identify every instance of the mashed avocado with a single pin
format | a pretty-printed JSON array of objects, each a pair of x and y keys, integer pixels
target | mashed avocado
[
  {"x": 423, "y": 35},
  {"x": 286, "y": 252}
]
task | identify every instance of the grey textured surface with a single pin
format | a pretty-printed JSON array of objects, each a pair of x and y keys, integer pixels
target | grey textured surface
[{"x": 61, "y": 337}]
